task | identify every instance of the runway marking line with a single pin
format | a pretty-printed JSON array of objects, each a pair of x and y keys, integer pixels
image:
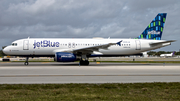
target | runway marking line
[
  {"x": 143, "y": 63},
  {"x": 33, "y": 76},
  {"x": 44, "y": 62},
  {"x": 150, "y": 60},
  {"x": 84, "y": 75}
]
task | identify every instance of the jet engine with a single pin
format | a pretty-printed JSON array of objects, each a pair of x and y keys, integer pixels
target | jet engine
[{"x": 65, "y": 57}]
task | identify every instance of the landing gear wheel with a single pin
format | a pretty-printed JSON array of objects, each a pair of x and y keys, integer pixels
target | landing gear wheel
[
  {"x": 81, "y": 62},
  {"x": 86, "y": 62},
  {"x": 26, "y": 63}
]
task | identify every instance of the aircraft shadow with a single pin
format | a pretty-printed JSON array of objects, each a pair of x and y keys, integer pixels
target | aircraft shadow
[{"x": 77, "y": 64}]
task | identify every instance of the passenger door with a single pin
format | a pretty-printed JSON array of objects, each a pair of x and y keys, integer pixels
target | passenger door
[
  {"x": 138, "y": 45},
  {"x": 26, "y": 45}
]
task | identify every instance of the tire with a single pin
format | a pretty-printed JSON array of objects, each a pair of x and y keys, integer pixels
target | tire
[
  {"x": 26, "y": 63},
  {"x": 84, "y": 62}
]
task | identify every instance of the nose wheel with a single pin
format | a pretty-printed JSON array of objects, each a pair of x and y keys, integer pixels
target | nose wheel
[{"x": 26, "y": 62}]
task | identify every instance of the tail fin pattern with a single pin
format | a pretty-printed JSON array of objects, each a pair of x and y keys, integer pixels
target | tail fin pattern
[
  {"x": 173, "y": 53},
  {"x": 155, "y": 28}
]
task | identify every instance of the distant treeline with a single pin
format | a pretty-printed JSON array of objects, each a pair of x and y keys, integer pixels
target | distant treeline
[
  {"x": 154, "y": 53},
  {"x": 1, "y": 53}
]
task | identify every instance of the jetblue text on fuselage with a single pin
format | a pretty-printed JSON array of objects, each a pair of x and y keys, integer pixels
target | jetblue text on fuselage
[{"x": 45, "y": 43}]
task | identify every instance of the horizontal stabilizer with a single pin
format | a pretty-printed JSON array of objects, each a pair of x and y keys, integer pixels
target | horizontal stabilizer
[{"x": 156, "y": 43}]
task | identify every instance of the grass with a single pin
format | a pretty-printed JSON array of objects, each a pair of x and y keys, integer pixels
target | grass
[{"x": 88, "y": 92}]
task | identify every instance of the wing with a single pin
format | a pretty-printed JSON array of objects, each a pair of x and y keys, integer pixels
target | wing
[
  {"x": 86, "y": 50},
  {"x": 89, "y": 50}
]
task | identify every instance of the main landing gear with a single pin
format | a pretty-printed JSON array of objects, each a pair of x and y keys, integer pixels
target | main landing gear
[
  {"x": 84, "y": 60},
  {"x": 26, "y": 62}
]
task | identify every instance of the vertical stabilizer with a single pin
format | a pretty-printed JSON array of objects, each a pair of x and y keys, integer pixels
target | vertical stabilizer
[
  {"x": 173, "y": 53},
  {"x": 155, "y": 28}
]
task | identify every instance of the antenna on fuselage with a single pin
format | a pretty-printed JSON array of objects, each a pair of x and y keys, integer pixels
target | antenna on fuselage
[{"x": 28, "y": 37}]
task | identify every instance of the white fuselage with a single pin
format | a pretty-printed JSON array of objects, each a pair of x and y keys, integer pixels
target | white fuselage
[
  {"x": 49, "y": 46},
  {"x": 167, "y": 55}
]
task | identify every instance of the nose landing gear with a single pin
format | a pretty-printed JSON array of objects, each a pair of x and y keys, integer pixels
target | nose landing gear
[{"x": 26, "y": 62}]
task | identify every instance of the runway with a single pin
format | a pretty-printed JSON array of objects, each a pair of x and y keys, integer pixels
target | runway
[{"x": 53, "y": 72}]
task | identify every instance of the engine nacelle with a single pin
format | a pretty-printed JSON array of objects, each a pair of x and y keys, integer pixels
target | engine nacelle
[{"x": 65, "y": 57}]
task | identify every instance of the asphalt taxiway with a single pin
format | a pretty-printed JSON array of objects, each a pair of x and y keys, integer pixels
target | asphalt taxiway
[{"x": 53, "y": 72}]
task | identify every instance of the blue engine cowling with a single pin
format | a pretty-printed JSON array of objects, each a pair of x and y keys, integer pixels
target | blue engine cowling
[{"x": 65, "y": 57}]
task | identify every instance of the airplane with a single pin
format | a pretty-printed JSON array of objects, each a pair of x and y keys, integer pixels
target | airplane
[
  {"x": 168, "y": 55},
  {"x": 81, "y": 49}
]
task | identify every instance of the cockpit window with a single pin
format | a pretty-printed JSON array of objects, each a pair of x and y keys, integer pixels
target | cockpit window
[{"x": 14, "y": 44}]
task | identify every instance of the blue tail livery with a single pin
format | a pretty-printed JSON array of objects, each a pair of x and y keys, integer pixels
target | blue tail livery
[{"x": 155, "y": 28}]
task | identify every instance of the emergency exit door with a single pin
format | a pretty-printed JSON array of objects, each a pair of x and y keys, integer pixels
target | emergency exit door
[
  {"x": 26, "y": 45},
  {"x": 138, "y": 45}
]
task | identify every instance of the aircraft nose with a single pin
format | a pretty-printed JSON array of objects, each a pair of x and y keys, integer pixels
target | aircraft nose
[{"x": 5, "y": 50}]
